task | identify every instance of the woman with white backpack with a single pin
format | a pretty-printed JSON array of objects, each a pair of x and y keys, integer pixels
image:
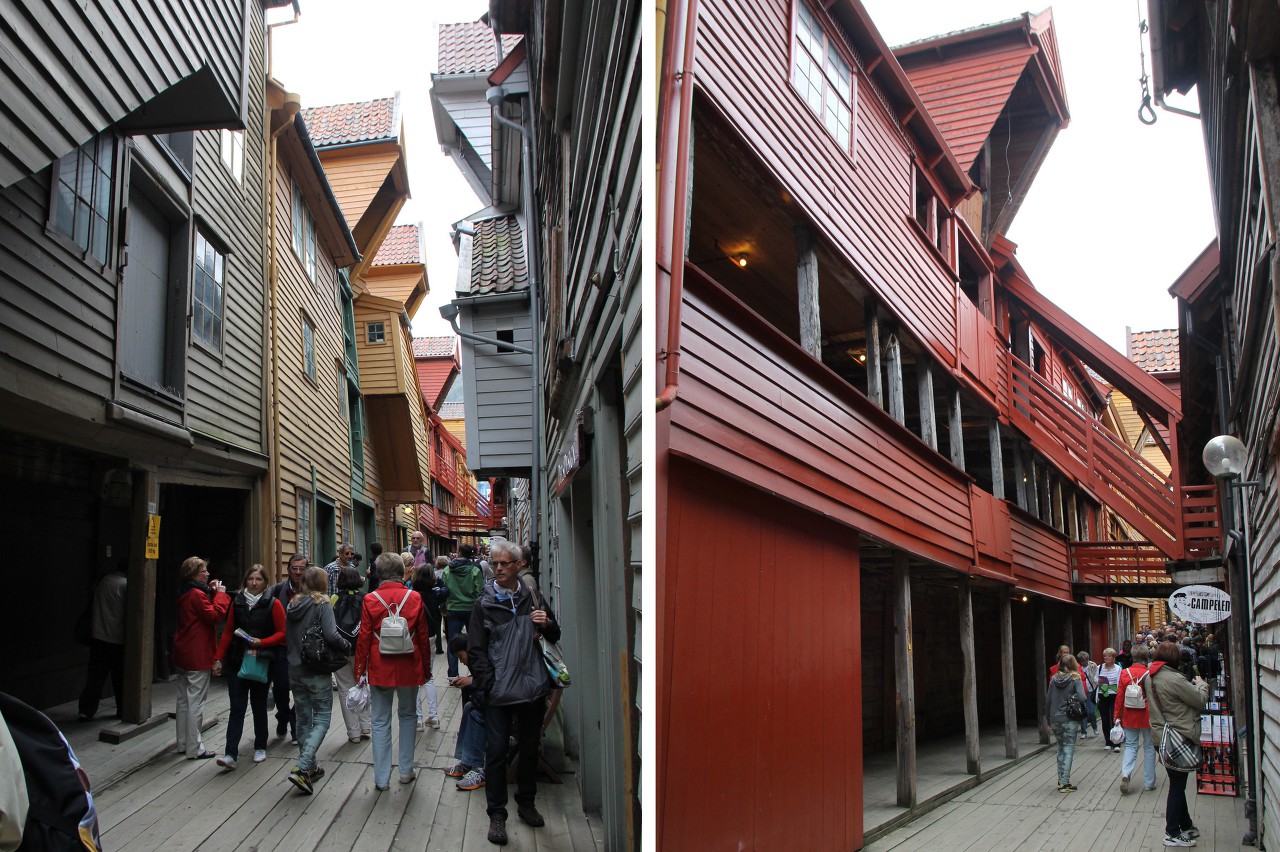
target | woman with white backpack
[
  {"x": 1131, "y": 713},
  {"x": 393, "y": 651}
]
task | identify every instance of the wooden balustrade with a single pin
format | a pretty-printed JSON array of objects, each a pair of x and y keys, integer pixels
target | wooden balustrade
[{"x": 1117, "y": 562}]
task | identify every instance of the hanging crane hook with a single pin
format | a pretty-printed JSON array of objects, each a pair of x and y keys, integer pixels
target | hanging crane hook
[{"x": 1146, "y": 112}]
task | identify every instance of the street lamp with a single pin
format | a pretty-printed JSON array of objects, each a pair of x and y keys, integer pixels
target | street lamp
[{"x": 1225, "y": 458}]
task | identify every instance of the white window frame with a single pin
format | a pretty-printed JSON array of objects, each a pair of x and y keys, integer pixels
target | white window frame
[
  {"x": 231, "y": 149},
  {"x": 822, "y": 72},
  {"x": 304, "y": 233},
  {"x": 308, "y": 349},
  {"x": 207, "y": 250}
]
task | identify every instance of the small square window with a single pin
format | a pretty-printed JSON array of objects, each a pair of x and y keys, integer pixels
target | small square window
[
  {"x": 309, "y": 349},
  {"x": 375, "y": 332}
]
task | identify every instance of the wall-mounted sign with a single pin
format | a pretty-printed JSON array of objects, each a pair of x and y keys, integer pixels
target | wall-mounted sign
[
  {"x": 576, "y": 452},
  {"x": 1200, "y": 604},
  {"x": 153, "y": 537}
]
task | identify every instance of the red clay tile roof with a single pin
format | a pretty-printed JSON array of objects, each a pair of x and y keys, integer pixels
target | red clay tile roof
[
  {"x": 497, "y": 257},
  {"x": 343, "y": 124},
  {"x": 1155, "y": 351},
  {"x": 435, "y": 347},
  {"x": 452, "y": 411},
  {"x": 468, "y": 48},
  {"x": 401, "y": 246}
]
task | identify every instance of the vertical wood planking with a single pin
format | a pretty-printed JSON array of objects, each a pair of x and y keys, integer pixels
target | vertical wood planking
[
  {"x": 969, "y": 691},
  {"x": 1019, "y": 476},
  {"x": 1006, "y": 675},
  {"x": 905, "y": 695}
]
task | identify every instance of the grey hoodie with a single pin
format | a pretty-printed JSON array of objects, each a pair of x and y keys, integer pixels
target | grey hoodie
[
  {"x": 298, "y": 619},
  {"x": 1059, "y": 688}
]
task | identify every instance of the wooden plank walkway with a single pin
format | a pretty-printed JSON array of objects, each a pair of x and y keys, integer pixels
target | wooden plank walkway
[
  {"x": 149, "y": 797},
  {"x": 1021, "y": 809}
]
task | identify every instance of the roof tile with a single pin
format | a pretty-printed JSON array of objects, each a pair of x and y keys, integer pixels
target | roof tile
[
  {"x": 452, "y": 411},
  {"x": 435, "y": 347},
  {"x": 467, "y": 48},
  {"x": 402, "y": 245},
  {"x": 362, "y": 121},
  {"x": 1155, "y": 351},
  {"x": 497, "y": 257}
]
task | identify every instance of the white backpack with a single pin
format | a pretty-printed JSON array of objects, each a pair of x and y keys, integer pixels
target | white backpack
[
  {"x": 1134, "y": 698},
  {"x": 393, "y": 636}
]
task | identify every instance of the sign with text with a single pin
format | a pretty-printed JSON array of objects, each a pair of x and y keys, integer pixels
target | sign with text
[
  {"x": 1200, "y": 604},
  {"x": 153, "y": 537}
]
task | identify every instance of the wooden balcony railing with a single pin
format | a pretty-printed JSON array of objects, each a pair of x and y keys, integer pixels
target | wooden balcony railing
[
  {"x": 1117, "y": 562},
  {"x": 461, "y": 487},
  {"x": 1201, "y": 523}
]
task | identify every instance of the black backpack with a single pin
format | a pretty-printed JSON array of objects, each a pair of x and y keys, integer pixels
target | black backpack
[
  {"x": 1073, "y": 707},
  {"x": 318, "y": 656},
  {"x": 346, "y": 614}
]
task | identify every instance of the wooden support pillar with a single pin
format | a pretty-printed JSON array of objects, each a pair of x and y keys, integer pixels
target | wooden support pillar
[
  {"x": 1073, "y": 518},
  {"x": 875, "y": 373},
  {"x": 1046, "y": 510},
  {"x": 997, "y": 458},
  {"x": 807, "y": 290},
  {"x": 1059, "y": 517},
  {"x": 969, "y": 689},
  {"x": 1033, "y": 489},
  {"x": 1019, "y": 476},
  {"x": 1069, "y": 630},
  {"x": 139, "y": 647},
  {"x": 1006, "y": 675},
  {"x": 905, "y": 687},
  {"x": 957, "y": 431},
  {"x": 893, "y": 366},
  {"x": 928, "y": 411},
  {"x": 1042, "y": 671}
]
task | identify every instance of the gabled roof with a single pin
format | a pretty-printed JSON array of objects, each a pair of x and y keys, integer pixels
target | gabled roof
[
  {"x": 403, "y": 244},
  {"x": 452, "y": 411},
  {"x": 1155, "y": 351},
  {"x": 348, "y": 124},
  {"x": 497, "y": 259},
  {"x": 444, "y": 346},
  {"x": 1196, "y": 278},
  {"x": 469, "y": 48}
]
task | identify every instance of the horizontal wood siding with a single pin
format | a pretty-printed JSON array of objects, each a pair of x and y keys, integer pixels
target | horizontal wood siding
[
  {"x": 754, "y": 405},
  {"x": 474, "y": 118},
  {"x": 356, "y": 176},
  {"x": 499, "y": 391},
  {"x": 863, "y": 211},
  {"x": 417, "y": 416},
  {"x": 68, "y": 70},
  {"x": 1039, "y": 557},
  {"x": 379, "y": 372}
]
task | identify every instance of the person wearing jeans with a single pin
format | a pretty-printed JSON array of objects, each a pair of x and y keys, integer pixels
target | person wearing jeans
[
  {"x": 1065, "y": 682},
  {"x": 1132, "y": 714},
  {"x": 380, "y": 699},
  {"x": 254, "y": 613},
  {"x": 202, "y": 604},
  {"x": 469, "y": 750},
  {"x": 1175, "y": 703},
  {"x": 312, "y": 688},
  {"x": 465, "y": 582}
]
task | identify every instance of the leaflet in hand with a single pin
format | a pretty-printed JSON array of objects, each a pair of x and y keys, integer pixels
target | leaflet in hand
[{"x": 241, "y": 634}]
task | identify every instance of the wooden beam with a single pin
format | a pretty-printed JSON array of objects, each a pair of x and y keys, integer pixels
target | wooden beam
[
  {"x": 1006, "y": 673},
  {"x": 1056, "y": 516},
  {"x": 969, "y": 688},
  {"x": 928, "y": 410},
  {"x": 957, "y": 431},
  {"x": 997, "y": 458},
  {"x": 1041, "y": 681},
  {"x": 1019, "y": 476},
  {"x": 1033, "y": 491},
  {"x": 1069, "y": 630},
  {"x": 1046, "y": 506},
  {"x": 141, "y": 602},
  {"x": 893, "y": 366},
  {"x": 875, "y": 374},
  {"x": 1073, "y": 518},
  {"x": 905, "y": 696},
  {"x": 807, "y": 290}
]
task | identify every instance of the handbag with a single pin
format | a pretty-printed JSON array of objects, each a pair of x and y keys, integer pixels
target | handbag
[
  {"x": 317, "y": 655},
  {"x": 1176, "y": 752},
  {"x": 254, "y": 667},
  {"x": 552, "y": 656},
  {"x": 1073, "y": 707}
]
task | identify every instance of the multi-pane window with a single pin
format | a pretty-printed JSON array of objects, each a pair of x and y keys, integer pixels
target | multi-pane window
[
  {"x": 304, "y": 233},
  {"x": 342, "y": 389},
  {"x": 232, "y": 146},
  {"x": 207, "y": 279},
  {"x": 346, "y": 525},
  {"x": 309, "y": 349},
  {"x": 82, "y": 195},
  {"x": 304, "y": 524},
  {"x": 375, "y": 332},
  {"x": 823, "y": 76}
]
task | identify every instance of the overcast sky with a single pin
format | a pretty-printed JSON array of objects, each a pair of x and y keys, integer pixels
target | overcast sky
[{"x": 1116, "y": 213}]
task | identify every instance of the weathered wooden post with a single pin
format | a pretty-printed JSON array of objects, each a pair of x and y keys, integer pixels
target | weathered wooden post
[
  {"x": 140, "y": 596},
  {"x": 1041, "y": 681},
  {"x": 928, "y": 410},
  {"x": 893, "y": 366},
  {"x": 969, "y": 690},
  {"x": 957, "y": 431},
  {"x": 875, "y": 380},
  {"x": 905, "y": 687},
  {"x": 997, "y": 458},
  {"x": 807, "y": 290},
  {"x": 1006, "y": 672}
]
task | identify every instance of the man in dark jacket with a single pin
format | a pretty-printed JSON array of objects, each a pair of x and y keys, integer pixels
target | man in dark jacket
[
  {"x": 465, "y": 582},
  {"x": 284, "y": 592},
  {"x": 506, "y": 623}
]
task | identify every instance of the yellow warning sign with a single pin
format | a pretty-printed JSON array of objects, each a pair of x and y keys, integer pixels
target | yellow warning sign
[{"x": 153, "y": 537}]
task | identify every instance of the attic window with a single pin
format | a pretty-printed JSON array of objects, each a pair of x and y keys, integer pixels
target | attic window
[
  {"x": 375, "y": 332},
  {"x": 505, "y": 335},
  {"x": 823, "y": 75}
]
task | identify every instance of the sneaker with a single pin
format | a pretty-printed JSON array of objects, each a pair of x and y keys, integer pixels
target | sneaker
[
  {"x": 204, "y": 755},
  {"x": 316, "y": 774},
  {"x": 529, "y": 816},
  {"x": 1084, "y": 735},
  {"x": 421, "y": 727},
  {"x": 293, "y": 739},
  {"x": 1116, "y": 749},
  {"x": 226, "y": 762},
  {"x": 1178, "y": 840},
  {"x": 259, "y": 755},
  {"x": 1067, "y": 788},
  {"x": 457, "y": 770},
  {"x": 498, "y": 830},
  {"x": 353, "y": 739},
  {"x": 433, "y": 722},
  {"x": 1148, "y": 789},
  {"x": 1124, "y": 785},
  {"x": 299, "y": 779},
  {"x": 1191, "y": 832},
  {"x": 473, "y": 780},
  {"x": 408, "y": 779},
  {"x": 381, "y": 789},
  {"x": 365, "y": 733}
]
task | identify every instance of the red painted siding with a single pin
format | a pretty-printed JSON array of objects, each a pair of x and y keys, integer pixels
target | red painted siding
[
  {"x": 432, "y": 375},
  {"x": 756, "y": 406},
  {"x": 863, "y": 211},
  {"x": 763, "y": 673},
  {"x": 1039, "y": 556}
]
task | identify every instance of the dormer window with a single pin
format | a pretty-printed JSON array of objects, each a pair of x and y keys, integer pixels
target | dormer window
[{"x": 823, "y": 75}]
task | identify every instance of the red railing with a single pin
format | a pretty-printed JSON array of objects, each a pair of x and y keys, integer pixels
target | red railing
[
  {"x": 460, "y": 486},
  {"x": 1201, "y": 523},
  {"x": 1117, "y": 562}
]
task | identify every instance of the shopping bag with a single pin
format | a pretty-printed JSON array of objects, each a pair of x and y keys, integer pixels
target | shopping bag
[{"x": 358, "y": 696}]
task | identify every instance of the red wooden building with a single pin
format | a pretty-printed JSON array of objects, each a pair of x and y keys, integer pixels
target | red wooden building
[{"x": 881, "y": 452}]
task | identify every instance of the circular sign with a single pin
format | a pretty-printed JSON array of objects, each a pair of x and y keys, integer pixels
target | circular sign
[{"x": 1200, "y": 604}]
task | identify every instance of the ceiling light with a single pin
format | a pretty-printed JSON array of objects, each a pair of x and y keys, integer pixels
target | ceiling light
[{"x": 741, "y": 260}]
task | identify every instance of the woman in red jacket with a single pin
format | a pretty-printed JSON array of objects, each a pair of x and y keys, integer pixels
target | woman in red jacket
[
  {"x": 392, "y": 675},
  {"x": 254, "y": 613},
  {"x": 201, "y": 605}
]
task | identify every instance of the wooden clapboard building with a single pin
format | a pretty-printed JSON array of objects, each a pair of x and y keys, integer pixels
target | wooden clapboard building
[
  {"x": 885, "y": 475},
  {"x": 1227, "y": 331},
  {"x": 132, "y": 288},
  {"x": 547, "y": 127}
]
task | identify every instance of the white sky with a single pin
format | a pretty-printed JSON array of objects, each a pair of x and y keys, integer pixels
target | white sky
[{"x": 1116, "y": 213}]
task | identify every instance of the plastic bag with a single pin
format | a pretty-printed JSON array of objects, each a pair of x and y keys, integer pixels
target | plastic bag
[
  {"x": 357, "y": 699},
  {"x": 1117, "y": 734}
]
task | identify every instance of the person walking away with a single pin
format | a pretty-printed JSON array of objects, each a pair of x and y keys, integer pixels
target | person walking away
[
  {"x": 285, "y": 591},
  {"x": 253, "y": 613},
  {"x": 465, "y": 582},
  {"x": 1132, "y": 714},
  {"x": 470, "y": 745},
  {"x": 106, "y": 647},
  {"x": 1065, "y": 682},
  {"x": 201, "y": 605},
  {"x": 1176, "y": 703},
  {"x": 1107, "y": 678},
  {"x": 511, "y": 683},
  {"x": 392, "y": 676},
  {"x": 347, "y": 605},
  {"x": 434, "y": 601},
  {"x": 424, "y": 583},
  {"x": 1089, "y": 673},
  {"x": 312, "y": 687}
]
